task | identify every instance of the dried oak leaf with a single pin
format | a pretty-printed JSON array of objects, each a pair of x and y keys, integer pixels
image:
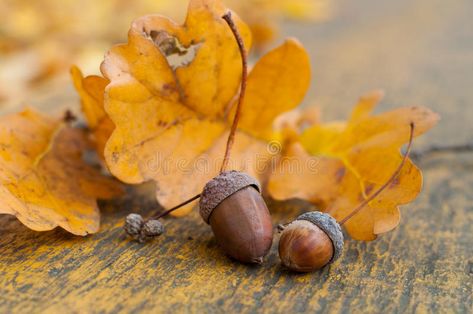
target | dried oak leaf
[
  {"x": 170, "y": 96},
  {"x": 91, "y": 91},
  {"x": 337, "y": 165},
  {"x": 43, "y": 180}
]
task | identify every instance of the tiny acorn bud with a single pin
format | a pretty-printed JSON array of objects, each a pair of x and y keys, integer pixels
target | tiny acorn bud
[
  {"x": 141, "y": 230},
  {"x": 233, "y": 206},
  {"x": 150, "y": 229},
  {"x": 310, "y": 242},
  {"x": 133, "y": 225}
]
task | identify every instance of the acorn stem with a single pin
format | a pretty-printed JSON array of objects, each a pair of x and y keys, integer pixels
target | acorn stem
[
  {"x": 167, "y": 212},
  {"x": 244, "y": 74},
  {"x": 385, "y": 185}
]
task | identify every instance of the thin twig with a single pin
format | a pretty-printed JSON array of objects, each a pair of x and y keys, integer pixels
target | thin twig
[
  {"x": 167, "y": 212},
  {"x": 244, "y": 74},
  {"x": 385, "y": 185}
]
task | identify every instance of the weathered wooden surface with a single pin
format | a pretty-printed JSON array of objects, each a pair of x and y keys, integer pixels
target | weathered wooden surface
[{"x": 421, "y": 52}]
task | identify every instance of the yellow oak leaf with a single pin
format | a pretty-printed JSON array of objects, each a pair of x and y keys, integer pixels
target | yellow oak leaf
[
  {"x": 170, "y": 98},
  {"x": 43, "y": 180},
  {"x": 277, "y": 83},
  {"x": 91, "y": 91},
  {"x": 336, "y": 166}
]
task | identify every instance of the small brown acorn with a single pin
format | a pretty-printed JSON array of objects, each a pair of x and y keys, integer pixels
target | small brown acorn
[
  {"x": 233, "y": 206},
  {"x": 310, "y": 242}
]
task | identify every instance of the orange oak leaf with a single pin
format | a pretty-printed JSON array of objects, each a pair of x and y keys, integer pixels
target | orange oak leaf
[
  {"x": 170, "y": 98},
  {"x": 43, "y": 180},
  {"x": 91, "y": 91},
  {"x": 336, "y": 166}
]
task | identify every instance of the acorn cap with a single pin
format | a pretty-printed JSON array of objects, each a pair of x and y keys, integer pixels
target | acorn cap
[
  {"x": 330, "y": 226},
  {"x": 221, "y": 187}
]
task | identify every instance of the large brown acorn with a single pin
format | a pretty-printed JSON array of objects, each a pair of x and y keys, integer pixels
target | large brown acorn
[
  {"x": 233, "y": 206},
  {"x": 231, "y": 202}
]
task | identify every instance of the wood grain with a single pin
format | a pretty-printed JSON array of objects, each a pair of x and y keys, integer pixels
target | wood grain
[{"x": 421, "y": 52}]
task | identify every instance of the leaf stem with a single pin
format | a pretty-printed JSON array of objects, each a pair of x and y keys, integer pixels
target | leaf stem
[
  {"x": 244, "y": 75},
  {"x": 385, "y": 185}
]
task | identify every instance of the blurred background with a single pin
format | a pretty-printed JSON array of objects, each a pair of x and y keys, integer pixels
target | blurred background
[
  {"x": 418, "y": 51},
  {"x": 40, "y": 40}
]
